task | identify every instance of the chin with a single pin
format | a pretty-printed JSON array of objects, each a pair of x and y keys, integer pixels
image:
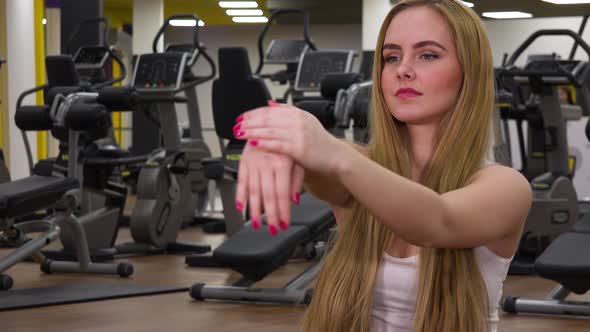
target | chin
[{"x": 417, "y": 118}]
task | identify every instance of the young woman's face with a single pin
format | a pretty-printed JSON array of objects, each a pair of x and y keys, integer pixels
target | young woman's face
[{"x": 421, "y": 75}]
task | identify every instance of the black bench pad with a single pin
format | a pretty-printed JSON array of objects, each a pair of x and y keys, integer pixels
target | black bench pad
[
  {"x": 567, "y": 262},
  {"x": 256, "y": 253},
  {"x": 33, "y": 193},
  {"x": 312, "y": 213}
]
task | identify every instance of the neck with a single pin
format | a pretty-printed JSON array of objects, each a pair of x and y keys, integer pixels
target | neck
[{"x": 421, "y": 139}]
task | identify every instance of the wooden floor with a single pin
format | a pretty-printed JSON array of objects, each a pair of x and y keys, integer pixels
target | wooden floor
[{"x": 178, "y": 312}]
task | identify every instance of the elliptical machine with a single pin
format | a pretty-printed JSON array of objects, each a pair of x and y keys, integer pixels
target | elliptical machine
[
  {"x": 555, "y": 206},
  {"x": 171, "y": 184}
]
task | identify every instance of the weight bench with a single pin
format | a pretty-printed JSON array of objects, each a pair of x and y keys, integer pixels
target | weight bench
[
  {"x": 24, "y": 196},
  {"x": 567, "y": 262},
  {"x": 256, "y": 253}
]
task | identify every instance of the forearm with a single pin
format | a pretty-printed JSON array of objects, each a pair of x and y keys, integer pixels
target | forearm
[{"x": 411, "y": 210}]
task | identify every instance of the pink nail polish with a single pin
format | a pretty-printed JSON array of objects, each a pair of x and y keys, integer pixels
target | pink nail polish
[
  {"x": 237, "y": 127},
  {"x": 272, "y": 103},
  {"x": 253, "y": 143},
  {"x": 239, "y": 134},
  {"x": 283, "y": 225},
  {"x": 273, "y": 230},
  {"x": 239, "y": 118},
  {"x": 296, "y": 198},
  {"x": 239, "y": 206},
  {"x": 255, "y": 223}
]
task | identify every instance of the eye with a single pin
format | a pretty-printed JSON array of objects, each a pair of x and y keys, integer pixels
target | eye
[
  {"x": 429, "y": 56},
  {"x": 392, "y": 59}
]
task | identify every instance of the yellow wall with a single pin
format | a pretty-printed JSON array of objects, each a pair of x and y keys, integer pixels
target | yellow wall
[{"x": 40, "y": 70}]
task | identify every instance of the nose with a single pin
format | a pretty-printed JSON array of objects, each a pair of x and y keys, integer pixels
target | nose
[{"x": 405, "y": 71}]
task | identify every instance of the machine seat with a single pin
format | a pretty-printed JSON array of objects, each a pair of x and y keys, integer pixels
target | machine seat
[
  {"x": 113, "y": 151},
  {"x": 114, "y": 161},
  {"x": 256, "y": 253},
  {"x": 33, "y": 193},
  {"x": 565, "y": 261}
]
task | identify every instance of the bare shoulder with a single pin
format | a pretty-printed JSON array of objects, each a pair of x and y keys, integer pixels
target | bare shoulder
[
  {"x": 512, "y": 196},
  {"x": 506, "y": 175},
  {"x": 503, "y": 182}
]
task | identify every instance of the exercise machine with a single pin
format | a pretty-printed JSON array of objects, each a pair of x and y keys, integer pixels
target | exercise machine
[
  {"x": 172, "y": 180},
  {"x": 287, "y": 52},
  {"x": 48, "y": 188},
  {"x": 554, "y": 208}
]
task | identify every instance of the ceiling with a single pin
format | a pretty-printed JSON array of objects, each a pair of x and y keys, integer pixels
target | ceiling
[{"x": 328, "y": 11}]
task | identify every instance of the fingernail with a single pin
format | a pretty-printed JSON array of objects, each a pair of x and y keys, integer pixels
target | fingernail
[
  {"x": 255, "y": 223},
  {"x": 273, "y": 230},
  {"x": 236, "y": 127},
  {"x": 239, "y": 118},
  {"x": 272, "y": 103},
  {"x": 296, "y": 198},
  {"x": 239, "y": 206},
  {"x": 283, "y": 225},
  {"x": 253, "y": 143},
  {"x": 239, "y": 134}
]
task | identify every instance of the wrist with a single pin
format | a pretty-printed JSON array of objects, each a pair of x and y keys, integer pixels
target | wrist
[{"x": 342, "y": 155}]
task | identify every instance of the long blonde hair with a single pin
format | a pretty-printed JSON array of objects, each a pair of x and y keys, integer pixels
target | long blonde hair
[{"x": 452, "y": 294}]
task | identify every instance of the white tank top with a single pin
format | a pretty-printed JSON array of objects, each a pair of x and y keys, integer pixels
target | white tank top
[{"x": 394, "y": 295}]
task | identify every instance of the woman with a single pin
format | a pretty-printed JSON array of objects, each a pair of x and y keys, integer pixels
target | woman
[{"x": 426, "y": 227}]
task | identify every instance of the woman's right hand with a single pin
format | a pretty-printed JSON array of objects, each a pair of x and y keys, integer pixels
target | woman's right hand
[{"x": 268, "y": 181}]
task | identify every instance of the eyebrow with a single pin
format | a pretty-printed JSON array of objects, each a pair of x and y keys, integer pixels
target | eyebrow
[{"x": 390, "y": 46}]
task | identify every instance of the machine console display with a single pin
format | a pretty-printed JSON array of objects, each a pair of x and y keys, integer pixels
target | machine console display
[
  {"x": 159, "y": 71},
  {"x": 554, "y": 71},
  {"x": 91, "y": 57},
  {"x": 282, "y": 51},
  {"x": 314, "y": 65}
]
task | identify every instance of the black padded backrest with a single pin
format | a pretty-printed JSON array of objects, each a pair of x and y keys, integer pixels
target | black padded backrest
[
  {"x": 61, "y": 71},
  {"x": 236, "y": 90}
]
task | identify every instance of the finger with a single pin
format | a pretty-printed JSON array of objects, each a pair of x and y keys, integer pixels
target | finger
[
  {"x": 277, "y": 146},
  {"x": 267, "y": 133},
  {"x": 277, "y": 117},
  {"x": 242, "y": 187},
  {"x": 297, "y": 182},
  {"x": 269, "y": 199},
  {"x": 254, "y": 197},
  {"x": 283, "y": 193}
]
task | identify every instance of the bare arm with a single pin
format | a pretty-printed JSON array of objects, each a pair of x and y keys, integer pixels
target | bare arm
[
  {"x": 492, "y": 206},
  {"x": 327, "y": 187}
]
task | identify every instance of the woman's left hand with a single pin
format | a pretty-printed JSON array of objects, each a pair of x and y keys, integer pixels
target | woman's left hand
[{"x": 288, "y": 130}]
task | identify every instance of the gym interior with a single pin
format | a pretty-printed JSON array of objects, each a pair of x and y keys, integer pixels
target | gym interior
[{"x": 118, "y": 165}]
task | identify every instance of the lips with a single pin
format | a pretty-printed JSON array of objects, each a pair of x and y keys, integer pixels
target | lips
[{"x": 407, "y": 92}]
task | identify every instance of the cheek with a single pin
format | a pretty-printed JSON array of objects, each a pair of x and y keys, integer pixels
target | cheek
[{"x": 446, "y": 82}]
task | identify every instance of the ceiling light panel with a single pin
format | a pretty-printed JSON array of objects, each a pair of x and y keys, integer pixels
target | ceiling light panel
[
  {"x": 506, "y": 15},
  {"x": 244, "y": 12},
  {"x": 238, "y": 4}
]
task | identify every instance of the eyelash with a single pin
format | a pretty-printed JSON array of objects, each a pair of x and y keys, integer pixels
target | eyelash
[{"x": 431, "y": 56}]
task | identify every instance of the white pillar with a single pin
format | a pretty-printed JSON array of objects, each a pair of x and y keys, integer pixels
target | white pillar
[
  {"x": 148, "y": 17},
  {"x": 53, "y": 47},
  {"x": 374, "y": 11},
  {"x": 20, "y": 40}
]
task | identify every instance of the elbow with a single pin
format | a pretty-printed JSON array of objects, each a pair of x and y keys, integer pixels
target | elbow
[{"x": 439, "y": 233}]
